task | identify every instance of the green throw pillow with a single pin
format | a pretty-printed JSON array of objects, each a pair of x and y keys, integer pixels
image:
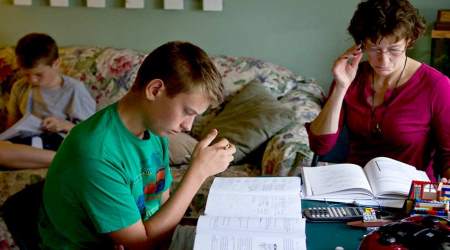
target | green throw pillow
[{"x": 251, "y": 117}]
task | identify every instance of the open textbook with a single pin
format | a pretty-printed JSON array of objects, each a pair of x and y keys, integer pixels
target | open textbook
[
  {"x": 252, "y": 213},
  {"x": 382, "y": 181},
  {"x": 28, "y": 125}
]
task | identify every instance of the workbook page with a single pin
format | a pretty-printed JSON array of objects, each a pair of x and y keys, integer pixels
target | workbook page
[
  {"x": 258, "y": 225},
  {"x": 255, "y": 197},
  {"x": 391, "y": 178},
  {"x": 258, "y": 185},
  {"x": 247, "y": 205},
  {"x": 346, "y": 181},
  {"x": 220, "y": 241}
]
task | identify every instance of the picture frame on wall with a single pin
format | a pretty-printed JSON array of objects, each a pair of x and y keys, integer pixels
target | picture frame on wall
[
  {"x": 59, "y": 3},
  {"x": 134, "y": 4},
  {"x": 96, "y": 3},
  {"x": 23, "y": 2}
]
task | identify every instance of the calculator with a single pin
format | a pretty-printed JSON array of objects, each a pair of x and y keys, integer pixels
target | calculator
[{"x": 330, "y": 214}]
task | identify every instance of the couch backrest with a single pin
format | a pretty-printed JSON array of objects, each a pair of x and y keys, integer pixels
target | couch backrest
[{"x": 109, "y": 72}]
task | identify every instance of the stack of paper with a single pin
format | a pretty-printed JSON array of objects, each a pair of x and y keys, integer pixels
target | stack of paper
[
  {"x": 252, "y": 213},
  {"x": 28, "y": 125}
]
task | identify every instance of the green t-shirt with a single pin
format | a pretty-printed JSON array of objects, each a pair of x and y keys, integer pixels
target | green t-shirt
[{"x": 102, "y": 179}]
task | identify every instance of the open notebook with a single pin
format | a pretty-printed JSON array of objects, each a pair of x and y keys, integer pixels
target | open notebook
[
  {"x": 252, "y": 213},
  {"x": 28, "y": 125},
  {"x": 383, "y": 181}
]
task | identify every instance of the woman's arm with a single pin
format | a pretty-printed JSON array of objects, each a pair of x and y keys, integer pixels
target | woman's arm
[
  {"x": 18, "y": 156},
  {"x": 327, "y": 122},
  {"x": 440, "y": 123},
  {"x": 344, "y": 72}
]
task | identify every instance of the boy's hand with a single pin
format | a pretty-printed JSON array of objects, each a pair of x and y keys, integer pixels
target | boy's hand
[
  {"x": 209, "y": 159},
  {"x": 55, "y": 125}
]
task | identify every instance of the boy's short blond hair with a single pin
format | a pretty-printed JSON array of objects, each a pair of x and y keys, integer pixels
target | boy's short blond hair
[{"x": 183, "y": 67}]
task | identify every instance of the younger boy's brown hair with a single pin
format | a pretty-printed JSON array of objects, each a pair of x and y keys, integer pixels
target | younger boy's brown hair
[
  {"x": 34, "y": 49},
  {"x": 182, "y": 67}
]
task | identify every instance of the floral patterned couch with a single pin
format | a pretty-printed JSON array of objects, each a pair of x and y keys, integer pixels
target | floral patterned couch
[{"x": 108, "y": 74}]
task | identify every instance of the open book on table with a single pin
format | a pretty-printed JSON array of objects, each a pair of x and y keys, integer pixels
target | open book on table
[
  {"x": 28, "y": 125},
  {"x": 382, "y": 179},
  {"x": 252, "y": 213}
]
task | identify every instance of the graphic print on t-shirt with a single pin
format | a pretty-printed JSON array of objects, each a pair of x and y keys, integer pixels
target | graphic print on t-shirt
[
  {"x": 153, "y": 174},
  {"x": 153, "y": 189}
]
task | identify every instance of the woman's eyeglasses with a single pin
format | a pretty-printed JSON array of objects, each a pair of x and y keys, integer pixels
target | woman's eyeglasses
[{"x": 375, "y": 51}]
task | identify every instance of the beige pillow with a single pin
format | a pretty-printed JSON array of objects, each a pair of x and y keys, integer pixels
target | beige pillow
[
  {"x": 181, "y": 146},
  {"x": 250, "y": 118}
]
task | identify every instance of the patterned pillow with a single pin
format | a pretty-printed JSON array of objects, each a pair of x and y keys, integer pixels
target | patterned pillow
[
  {"x": 289, "y": 149},
  {"x": 250, "y": 118}
]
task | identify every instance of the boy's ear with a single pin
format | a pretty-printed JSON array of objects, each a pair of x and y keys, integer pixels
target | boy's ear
[
  {"x": 56, "y": 63},
  {"x": 154, "y": 88}
]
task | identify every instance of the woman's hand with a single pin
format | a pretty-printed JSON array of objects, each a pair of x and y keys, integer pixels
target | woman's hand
[
  {"x": 209, "y": 159},
  {"x": 346, "y": 66}
]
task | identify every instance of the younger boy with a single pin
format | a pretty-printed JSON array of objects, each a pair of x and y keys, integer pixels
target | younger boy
[
  {"x": 60, "y": 101},
  {"x": 109, "y": 182}
]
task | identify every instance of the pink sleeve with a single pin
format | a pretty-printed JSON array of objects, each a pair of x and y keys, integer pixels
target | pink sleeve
[
  {"x": 440, "y": 123},
  {"x": 322, "y": 144}
]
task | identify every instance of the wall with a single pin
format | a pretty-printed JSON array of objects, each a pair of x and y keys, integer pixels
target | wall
[{"x": 303, "y": 35}]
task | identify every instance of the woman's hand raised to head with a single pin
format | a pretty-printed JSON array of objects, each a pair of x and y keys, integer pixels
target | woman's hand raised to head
[
  {"x": 346, "y": 66},
  {"x": 212, "y": 159}
]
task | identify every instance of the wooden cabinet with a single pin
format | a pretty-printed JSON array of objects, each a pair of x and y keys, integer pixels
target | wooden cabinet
[{"x": 440, "y": 50}]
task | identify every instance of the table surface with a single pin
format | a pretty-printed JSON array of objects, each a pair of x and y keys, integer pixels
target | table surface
[
  {"x": 324, "y": 235},
  {"x": 321, "y": 235}
]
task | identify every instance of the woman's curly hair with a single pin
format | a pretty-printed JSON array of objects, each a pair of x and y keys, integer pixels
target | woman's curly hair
[{"x": 376, "y": 19}]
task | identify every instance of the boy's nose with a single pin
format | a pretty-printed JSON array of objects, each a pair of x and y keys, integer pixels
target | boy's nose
[{"x": 186, "y": 125}]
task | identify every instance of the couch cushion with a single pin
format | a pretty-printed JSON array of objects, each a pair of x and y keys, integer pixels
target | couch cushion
[
  {"x": 107, "y": 72},
  {"x": 250, "y": 118},
  {"x": 239, "y": 71},
  {"x": 290, "y": 148}
]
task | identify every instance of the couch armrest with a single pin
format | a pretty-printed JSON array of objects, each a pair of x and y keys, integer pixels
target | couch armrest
[
  {"x": 286, "y": 151},
  {"x": 290, "y": 147}
]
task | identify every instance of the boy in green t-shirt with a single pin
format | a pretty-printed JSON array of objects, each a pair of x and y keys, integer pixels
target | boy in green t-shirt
[{"x": 109, "y": 182}]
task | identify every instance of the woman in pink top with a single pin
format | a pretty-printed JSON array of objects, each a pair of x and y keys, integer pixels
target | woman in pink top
[{"x": 393, "y": 105}]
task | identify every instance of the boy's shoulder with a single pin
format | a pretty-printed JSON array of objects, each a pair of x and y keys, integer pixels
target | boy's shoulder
[
  {"x": 75, "y": 86},
  {"x": 97, "y": 128},
  {"x": 20, "y": 89},
  {"x": 21, "y": 83},
  {"x": 72, "y": 82}
]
